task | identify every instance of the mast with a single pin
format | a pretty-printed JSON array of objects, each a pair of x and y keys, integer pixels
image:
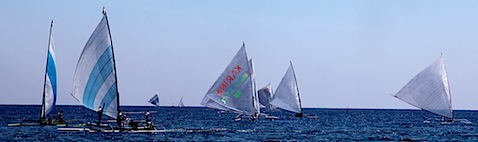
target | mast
[
  {"x": 46, "y": 72},
  {"x": 114, "y": 64},
  {"x": 295, "y": 78},
  {"x": 449, "y": 89},
  {"x": 255, "y": 99}
]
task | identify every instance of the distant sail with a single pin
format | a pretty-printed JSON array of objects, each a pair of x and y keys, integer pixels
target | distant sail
[
  {"x": 233, "y": 89},
  {"x": 49, "y": 90},
  {"x": 429, "y": 90},
  {"x": 95, "y": 82},
  {"x": 286, "y": 95},
  {"x": 265, "y": 94},
  {"x": 154, "y": 100},
  {"x": 181, "y": 104}
]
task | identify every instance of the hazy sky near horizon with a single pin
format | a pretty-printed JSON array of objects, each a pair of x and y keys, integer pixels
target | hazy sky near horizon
[{"x": 345, "y": 53}]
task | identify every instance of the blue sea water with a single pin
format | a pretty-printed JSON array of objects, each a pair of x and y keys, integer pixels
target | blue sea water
[{"x": 203, "y": 124}]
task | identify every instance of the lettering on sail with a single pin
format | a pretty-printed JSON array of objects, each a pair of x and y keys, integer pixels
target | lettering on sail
[{"x": 229, "y": 79}]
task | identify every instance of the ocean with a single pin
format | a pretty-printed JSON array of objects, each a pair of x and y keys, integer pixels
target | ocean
[{"x": 203, "y": 124}]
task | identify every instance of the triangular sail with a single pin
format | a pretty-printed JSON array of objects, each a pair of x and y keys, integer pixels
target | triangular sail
[
  {"x": 265, "y": 94},
  {"x": 95, "y": 81},
  {"x": 429, "y": 90},
  {"x": 181, "y": 104},
  {"x": 286, "y": 95},
  {"x": 49, "y": 90},
  {"x": 154, "y": 100},
  {"x": 233, "y": 88}
]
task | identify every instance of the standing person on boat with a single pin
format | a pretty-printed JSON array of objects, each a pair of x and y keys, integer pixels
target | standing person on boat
[
  {"x": 146, "y": 116},
  {"x": 59, "y": 116},
  {"x": 100, "y": 114},
  {"x": 120, "y": 119}
]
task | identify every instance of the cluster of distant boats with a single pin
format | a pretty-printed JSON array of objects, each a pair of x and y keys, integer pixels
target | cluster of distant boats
[{"x": 95, "y": 87}]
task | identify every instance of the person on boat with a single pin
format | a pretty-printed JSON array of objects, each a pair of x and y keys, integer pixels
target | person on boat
[
  {"x": 148, "y": 122},
  {"x": 146, "y": 116},
  {"x": 59, "y": 116},
  {"x": 120, "y": 120},
  {"x": 100, "y": 114},
  {"x": 50, "y": 121},
  {"x": 127, "y": 120}
]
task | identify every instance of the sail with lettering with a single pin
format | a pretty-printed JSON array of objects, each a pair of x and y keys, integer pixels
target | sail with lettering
[
  {"x": 233, "y": 89},
  {"x": 155, "y": 100},
  {"x": 181, "y": 104},
  {"x": 95, "y": 82},
  {"x": 429, "y": 90},
  {"x": 49, "y": 86},
  {"x": 286, "y": 95},
  {"x": 265, "y": 94}
]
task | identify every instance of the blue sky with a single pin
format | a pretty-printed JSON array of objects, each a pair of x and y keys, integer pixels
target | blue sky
[{"x": 345, "y": 53}]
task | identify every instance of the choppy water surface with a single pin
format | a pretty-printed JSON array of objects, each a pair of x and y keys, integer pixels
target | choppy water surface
[{"x": 199, "y": 124}]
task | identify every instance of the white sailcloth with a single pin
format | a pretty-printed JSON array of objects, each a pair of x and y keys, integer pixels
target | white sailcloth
[
  {"x": 286, "y": 95},
  {"x": 264, "y": 95},
  {"x": 95, "y": 83},
  {"x": 49, "y": 94},
  {"x": 154, "y": 100},
  {"x": 181, "y": 104},
  {"x": 429, "y": 90},
  {"x": 255, "y": 104},
  {"x": 233, "y": 88}
]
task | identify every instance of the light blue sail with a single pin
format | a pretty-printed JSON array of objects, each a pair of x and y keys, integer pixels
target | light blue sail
[
  {"x": 49, "y": 90},
  {"x": 94, "y": 83}
]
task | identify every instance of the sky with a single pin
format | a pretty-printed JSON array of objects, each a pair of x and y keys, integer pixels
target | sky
[{"x": 345, "y": 53}]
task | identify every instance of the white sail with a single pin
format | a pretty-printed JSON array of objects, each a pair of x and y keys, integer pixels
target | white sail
[
  {"x": 255, "y": 99},
  {"x": 154, "y": 100},
  {"x": 49, "y": 94},
  {"x": 233, "y": 88},
  {"x": 429, "y": 90},
  {"x": 181, "y": 104},
  {"x": 265, "y": 94},
  {"x": 95, "y": 82},
  {"x": 286, "y": 95}
]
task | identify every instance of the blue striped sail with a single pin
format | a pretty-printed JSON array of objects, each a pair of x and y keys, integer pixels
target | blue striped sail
[
  {"x": 154, "y": 100},
  {"x": 94, "y": 83},
  {"x": 233, "y": 89},
  {"x": 49, "y": 97}
]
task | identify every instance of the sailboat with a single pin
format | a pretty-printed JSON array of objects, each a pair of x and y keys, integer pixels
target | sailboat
[
  {"x": 95, "y": 83},
  {"x": 181, "y": 104},
  {"x": 154, "y": 100},
  {"x": 429, "y": 90},
  {"x": 49, "y": 88},
  {"x": 234, "y": 89},
  {"x": 287, "y": 95},
  {"x": 265, "y": 94}
]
